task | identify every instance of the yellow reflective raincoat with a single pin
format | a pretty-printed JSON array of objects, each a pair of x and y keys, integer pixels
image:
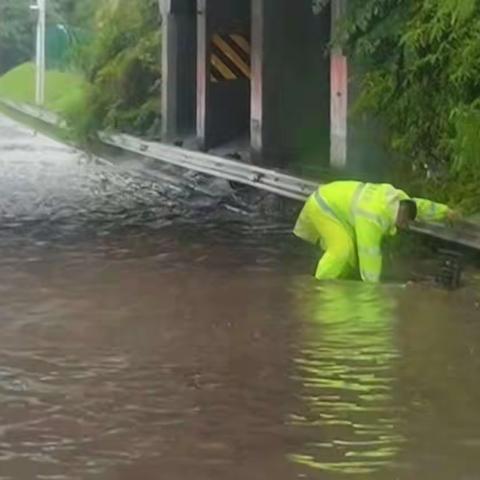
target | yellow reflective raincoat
[{"x": 350, "y": 219}]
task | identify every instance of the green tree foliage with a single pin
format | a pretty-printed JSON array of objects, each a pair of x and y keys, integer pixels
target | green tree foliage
[
  {"x": 76, "y": 13},
  {"x": 16, "y": 33},
  {"x": 422, "y": 60},
  {"x": 122, "y": 68},
  {"x": 18, "y": 25}
]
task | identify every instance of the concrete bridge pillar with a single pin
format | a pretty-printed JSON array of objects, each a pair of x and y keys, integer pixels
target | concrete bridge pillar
[
  {"x": 257, "y": 70},
  {"x": 339, "y": 93},
  {"x": 290, "y": 121},
  {"x": 179, "y": 59}
]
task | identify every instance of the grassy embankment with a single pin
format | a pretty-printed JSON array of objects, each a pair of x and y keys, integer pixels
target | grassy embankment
[{"x": 63, "y": 90}]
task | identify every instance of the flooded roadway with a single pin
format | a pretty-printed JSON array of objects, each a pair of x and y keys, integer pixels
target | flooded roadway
[{"x": 146, "y": 335}]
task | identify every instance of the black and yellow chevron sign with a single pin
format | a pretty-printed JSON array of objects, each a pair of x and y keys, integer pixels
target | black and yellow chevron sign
[{"x": 230, "y": 57}]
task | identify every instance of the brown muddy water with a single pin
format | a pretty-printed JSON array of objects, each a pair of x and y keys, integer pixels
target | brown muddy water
[{"x": 145, "y": 335}]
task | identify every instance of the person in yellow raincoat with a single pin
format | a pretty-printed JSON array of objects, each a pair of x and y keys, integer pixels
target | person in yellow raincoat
[{"x": 350, "y": 220}]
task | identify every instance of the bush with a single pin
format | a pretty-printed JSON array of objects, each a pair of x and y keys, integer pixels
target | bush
[
  {"x": 122, "y": 67},
  {"x": 423, "y": 80},
  {"x": 16, "y": 33}
]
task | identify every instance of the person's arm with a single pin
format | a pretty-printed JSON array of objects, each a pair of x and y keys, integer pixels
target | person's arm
[
  {"x": 369, "y": 244},
  {"x": 428, "y": 211}
]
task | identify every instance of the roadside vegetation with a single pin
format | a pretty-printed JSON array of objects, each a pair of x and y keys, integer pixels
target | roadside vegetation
[
  {"x": 63, "y": 90},
  {"x": 112, "y": 77},
  {"x": 420, "y": 64},
  {"x": 122, "y": 70}
]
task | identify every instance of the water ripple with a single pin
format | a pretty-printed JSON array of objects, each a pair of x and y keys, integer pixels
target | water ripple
[{"x": 346, "y": 367}]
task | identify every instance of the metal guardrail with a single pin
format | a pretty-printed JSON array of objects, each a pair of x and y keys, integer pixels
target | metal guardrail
[
  {"x": 466, "y": 234},
  {"x": 38, "y": 113},
  {"x": 270, "y": 180},
  {"x": 265, "y": 179}
]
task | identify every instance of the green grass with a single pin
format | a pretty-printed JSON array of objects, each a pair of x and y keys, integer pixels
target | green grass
[{"x": 62, "y": 89}]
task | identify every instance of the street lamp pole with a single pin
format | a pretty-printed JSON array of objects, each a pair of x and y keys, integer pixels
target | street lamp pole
[{"x": 40, "y": 7}]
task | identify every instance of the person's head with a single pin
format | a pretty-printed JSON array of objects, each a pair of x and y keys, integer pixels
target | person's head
[{"x": 407, "y": 213}]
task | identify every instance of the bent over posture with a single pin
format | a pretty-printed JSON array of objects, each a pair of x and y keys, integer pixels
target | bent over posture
[{"x": 350, "y": 219}]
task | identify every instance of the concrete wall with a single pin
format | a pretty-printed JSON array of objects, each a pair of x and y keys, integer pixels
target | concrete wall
[
  {"x": 291, "y": 82},
  {"x": 223, "y": 107},
  {"x": 179, "y": 67}
]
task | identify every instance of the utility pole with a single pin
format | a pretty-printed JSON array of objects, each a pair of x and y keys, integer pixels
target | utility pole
[{"x": 40, "y": 8}]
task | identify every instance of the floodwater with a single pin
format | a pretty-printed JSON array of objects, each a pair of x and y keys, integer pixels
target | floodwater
[{"x": 145, "y": 335}]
